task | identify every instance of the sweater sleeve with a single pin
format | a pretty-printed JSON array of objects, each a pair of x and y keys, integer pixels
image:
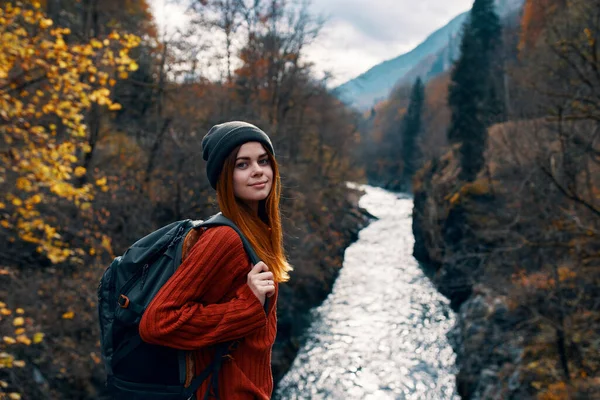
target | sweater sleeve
[{"x": 177, "y": 318}]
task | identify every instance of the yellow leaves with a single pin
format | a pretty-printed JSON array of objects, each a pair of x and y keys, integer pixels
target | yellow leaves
[
  {"x": 96, "y": 43},
  {"x": 42, "y": 155},
  {"x": 36, "y": 199},
  {"x": 46, "y": 23},
  {"x": 9, "y": 340},
  {"x": 101, "y": 181},
  {"x": 80, "y": 171},
  {"x": 24, "y": 184},
  {"x": 85, "y": 206},
  {"x": 20, "y": 311},
  {"x": 14, "y": 396},
  {"x": 56, "y": 254},
  {"x": 38, "y": 337},
  {"x": 106, "y": 244},
  {"x": 68, "y": 315},
  {"x": 123, "y": 75},
  {"x": 5, "y": 311},
  {"x": 19, "y": 363},
  {"x": 23, "y": 339},
  {"x": 19, "y": 321}
]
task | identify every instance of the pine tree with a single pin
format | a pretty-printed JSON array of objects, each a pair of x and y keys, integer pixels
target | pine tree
[
  {"x": 474, "y": 96},
  {"x": 410, "y": 129}
]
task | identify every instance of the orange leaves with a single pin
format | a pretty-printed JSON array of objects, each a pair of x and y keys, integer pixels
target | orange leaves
[
  {"x": 536, "y": 280},
  {"x": 554, "y": 391},
  {"x": 534, "y": 20},
  {"x": 566, "y": 274},
  {"x": 544, "y": 280},
  {"x": 68, "y": 315}
]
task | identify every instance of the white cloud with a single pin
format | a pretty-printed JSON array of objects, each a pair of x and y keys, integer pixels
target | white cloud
[
  {"x": 358, "y": 34},
  {"x": 362, "y": 33}
]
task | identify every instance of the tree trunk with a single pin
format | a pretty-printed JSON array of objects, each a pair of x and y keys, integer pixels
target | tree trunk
[{"x": 94, "y": 125}]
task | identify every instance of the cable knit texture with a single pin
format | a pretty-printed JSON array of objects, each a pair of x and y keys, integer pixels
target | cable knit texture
[{"x": 208, "y": 301}]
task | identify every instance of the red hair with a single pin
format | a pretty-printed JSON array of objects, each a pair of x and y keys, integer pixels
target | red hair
[{"x": 263, "y": 231}]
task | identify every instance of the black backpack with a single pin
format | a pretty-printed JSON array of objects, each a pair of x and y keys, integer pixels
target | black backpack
[{"x": 135, "y": 369}]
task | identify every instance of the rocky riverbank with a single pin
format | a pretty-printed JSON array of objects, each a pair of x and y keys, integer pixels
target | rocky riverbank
[
  {"x": 513, "y": 268},
  {"x": 486, "y": 346}
]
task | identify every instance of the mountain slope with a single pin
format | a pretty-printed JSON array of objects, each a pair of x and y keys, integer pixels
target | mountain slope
[
  {"x": 428, "y": 59},
  {"x": 375, "y": 84}
]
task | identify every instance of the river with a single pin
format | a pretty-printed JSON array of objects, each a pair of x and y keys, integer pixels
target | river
[{"x": 381, "y": 333}]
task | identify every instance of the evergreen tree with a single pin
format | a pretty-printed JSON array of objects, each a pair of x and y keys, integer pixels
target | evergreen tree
[
  {"x": 474, "y": 95},
  {"x": 410, "y": 129}
]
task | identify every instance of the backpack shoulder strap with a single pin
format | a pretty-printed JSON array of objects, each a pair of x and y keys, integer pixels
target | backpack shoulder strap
[{"x": 221, "y": 220}]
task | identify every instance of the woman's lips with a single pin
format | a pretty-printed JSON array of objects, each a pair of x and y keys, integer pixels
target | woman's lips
[{"x": 260, "y": 185}]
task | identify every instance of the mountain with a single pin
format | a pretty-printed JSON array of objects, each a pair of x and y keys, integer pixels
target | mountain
[{"x": 432, "y": 56}]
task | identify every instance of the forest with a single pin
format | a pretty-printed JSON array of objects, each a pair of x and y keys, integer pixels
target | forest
[{"x": 101, "y": 121}]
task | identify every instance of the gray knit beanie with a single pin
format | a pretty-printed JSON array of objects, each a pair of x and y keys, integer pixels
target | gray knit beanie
[{"x": 222, "y": 139}]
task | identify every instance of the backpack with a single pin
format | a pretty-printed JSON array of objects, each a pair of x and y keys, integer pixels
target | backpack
[{"x": 135, "y": 369}]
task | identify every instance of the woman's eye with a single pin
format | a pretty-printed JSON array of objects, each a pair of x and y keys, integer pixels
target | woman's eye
[
  {"x": 241, "y": 165},
  {"x": 264, "y": 161}
]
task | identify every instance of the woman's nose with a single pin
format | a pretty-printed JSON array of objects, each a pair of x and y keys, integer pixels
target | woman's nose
[{"x": 256, "y": 169}]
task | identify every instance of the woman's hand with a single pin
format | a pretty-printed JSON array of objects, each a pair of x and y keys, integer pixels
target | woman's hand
[{"x": 261, "y": 282}]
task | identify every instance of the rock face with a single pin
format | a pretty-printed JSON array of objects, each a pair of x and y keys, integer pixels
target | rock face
[{"x": 488, "y": 352}]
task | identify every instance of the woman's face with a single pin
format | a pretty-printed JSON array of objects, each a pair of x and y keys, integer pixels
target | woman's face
[{"x": 252, "y": 175}]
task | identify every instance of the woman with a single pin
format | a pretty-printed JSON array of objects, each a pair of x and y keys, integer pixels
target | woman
[{"x": 216, "y": 295}]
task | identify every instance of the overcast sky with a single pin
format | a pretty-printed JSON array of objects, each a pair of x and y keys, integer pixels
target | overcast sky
[{"x": 358, "y": 34}]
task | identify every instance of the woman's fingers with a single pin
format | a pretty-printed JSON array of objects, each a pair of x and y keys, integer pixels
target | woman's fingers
[
  {"x": 261, "y": 266},
  {"x": 261, "y": 281},
  {"x": 264, "y": 276},
  {"x": 270, "y": 291}
]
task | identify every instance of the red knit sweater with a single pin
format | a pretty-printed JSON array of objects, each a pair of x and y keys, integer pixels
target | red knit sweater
[{"x": 208, "y": 301}]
